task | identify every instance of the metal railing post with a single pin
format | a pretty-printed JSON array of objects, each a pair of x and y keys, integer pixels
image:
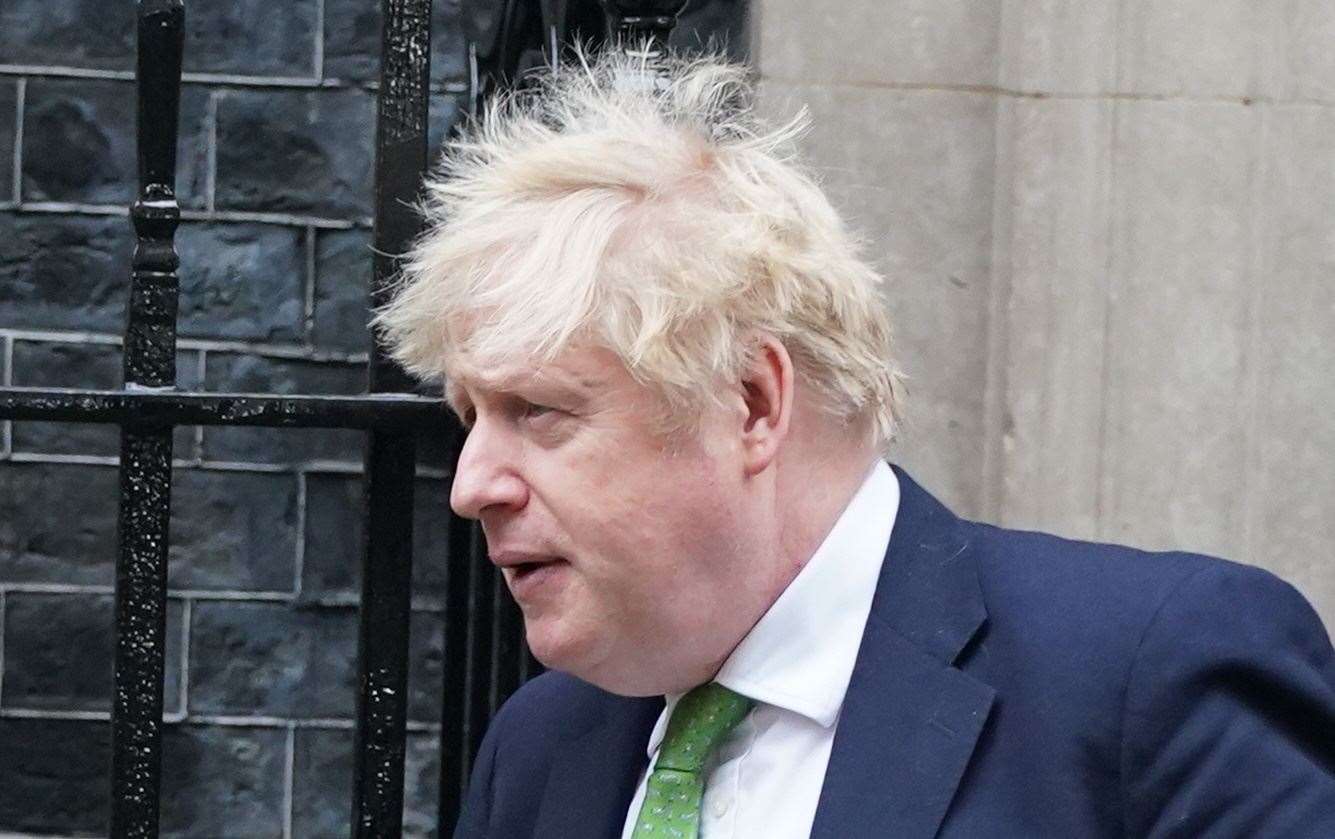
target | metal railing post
[
  {"x": 390, "y": 464},
  {"x": 146, "y": 448}
]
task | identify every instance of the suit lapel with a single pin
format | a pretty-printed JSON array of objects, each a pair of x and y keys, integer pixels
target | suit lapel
[
  {"x": 594, "y": 778},
  {"x": 910, "y": 719}
]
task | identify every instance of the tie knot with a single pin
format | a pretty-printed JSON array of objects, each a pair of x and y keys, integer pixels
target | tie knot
[{"x": 698, "y": 724}]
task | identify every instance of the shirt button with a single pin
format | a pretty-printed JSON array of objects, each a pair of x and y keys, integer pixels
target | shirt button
[{"x": 719, "y": 807}]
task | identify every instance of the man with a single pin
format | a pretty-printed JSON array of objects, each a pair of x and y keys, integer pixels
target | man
[{"x": 675, "y": 369}]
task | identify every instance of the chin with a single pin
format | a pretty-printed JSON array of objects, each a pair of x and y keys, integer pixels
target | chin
[
  {"x": 557, "y": 648},
  {"x": 585, "y": 656}
]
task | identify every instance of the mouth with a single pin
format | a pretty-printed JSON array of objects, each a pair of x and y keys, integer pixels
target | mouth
[
  {"x": 525, "y": 574},
  {"x": 522, "y": 570}
]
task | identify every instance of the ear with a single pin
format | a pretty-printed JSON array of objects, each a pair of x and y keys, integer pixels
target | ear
[{"x": 767, "y": 393}]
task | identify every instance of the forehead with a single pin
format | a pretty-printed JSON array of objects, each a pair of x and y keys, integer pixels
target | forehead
[{"x": 576, "y": 370}]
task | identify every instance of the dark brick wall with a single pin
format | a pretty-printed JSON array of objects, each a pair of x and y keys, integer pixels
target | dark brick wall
[{"x": 274, "y": 177}]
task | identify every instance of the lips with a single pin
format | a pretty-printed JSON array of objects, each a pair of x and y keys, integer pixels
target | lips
[{"x": 526, "y": 573}]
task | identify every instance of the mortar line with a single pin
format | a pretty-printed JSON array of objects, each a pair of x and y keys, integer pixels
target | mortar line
[
  {"x": 65, "y": 459},
  {"x": 54, "y": 588},
  {"x": 7, "y": 379},
  {"x": 211, "y": 152},
  {"x": 299, "y": 560},
  {"x": 183, "y": 692},
  {"x": 227, "y": 595},
  {"x": 262, "y": 721},
  {"x": 319, "y": 41},
  {"x": 20, "y": 102},
  {"x": 64, "y": 337},
  {"x": 230, "y": 80},
  {"x": 53, "y": 714},
  {"x": 205, "y": 215},
  {"x": 289, "y": 759},
  {"x": 1067, "y": 96},
  {"x": 66, "y": 72},
  {"x": 308, "y": 288},
  {"x": 291, "y": 352},
  {"x": 2, "y": 648},
  {"x": 198, "y": 438},
  {"x": 318, "y": 467},
  {"x": 72, "y": 208}
]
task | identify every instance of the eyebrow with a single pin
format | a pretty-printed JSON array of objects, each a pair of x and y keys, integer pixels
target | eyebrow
[{"x": 509, "y": 384}]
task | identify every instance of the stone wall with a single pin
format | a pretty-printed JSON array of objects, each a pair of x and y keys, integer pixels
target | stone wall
[
  {"x": 274, "y": 177},
  {"x": 1107, "y": 229}
]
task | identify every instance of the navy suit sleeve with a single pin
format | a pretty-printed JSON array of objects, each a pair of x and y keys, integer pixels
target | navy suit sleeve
[
  {"x": 1228, "y": 726},
  {"x": 475, "y": 815}
]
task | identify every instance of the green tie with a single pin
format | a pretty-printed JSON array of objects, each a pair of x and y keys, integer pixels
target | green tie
[{"x": 675, "y": 788}]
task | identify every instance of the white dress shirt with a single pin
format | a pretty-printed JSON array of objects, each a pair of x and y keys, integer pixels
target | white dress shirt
[{"x": 796, "y": 662}]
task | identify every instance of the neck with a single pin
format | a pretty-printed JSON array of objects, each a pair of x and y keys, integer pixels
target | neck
[{"x": 814, "y": 484}]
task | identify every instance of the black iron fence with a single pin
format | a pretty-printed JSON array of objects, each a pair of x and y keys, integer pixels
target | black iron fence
[{"x": 484, "y": 657}]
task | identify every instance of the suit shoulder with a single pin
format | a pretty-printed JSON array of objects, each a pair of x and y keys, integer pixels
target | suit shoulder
[
  {"x": 1079, "y": 604},
  {"x": 1046, "y": 572}
]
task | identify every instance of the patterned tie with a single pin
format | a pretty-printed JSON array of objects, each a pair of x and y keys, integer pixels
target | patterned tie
[{"x": 675, "y": 788}]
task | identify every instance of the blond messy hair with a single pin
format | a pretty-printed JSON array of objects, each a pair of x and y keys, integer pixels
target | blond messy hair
[{"x": 650, "y": 212}]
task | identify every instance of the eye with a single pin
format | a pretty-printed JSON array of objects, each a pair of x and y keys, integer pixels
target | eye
[{"x": 533, "y": 410}]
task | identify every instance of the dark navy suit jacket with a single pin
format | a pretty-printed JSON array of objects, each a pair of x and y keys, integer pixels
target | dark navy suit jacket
[{"x": 1008, "y": 684}]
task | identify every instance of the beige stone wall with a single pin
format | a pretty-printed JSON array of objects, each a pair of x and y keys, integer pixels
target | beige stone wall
[{"x": 1109, "y": 233}]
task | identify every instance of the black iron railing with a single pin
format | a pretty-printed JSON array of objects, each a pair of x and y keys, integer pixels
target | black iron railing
[{"x": 484, "y": 655}]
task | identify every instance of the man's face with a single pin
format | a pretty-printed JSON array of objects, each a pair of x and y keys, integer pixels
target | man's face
[{"x": 629, "y": 561}]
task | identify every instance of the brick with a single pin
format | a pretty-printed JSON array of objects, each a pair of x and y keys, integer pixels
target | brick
[
  {"x": 251, "y": 37},
  {"x": 1178, "y": 325},
  {"x": 8, "y": 115},
  {"x": 222, "y": 781},
  {"x": 194, "y": 135},
  {"x": 49, "y": 364},
  {"x": 299, "y": 662},
  {"x": 44, "y": 33},
  {"x": 940, "y": 42},
  {"x": 228, "y": 530},
  {"x": 72, "y": 670},
  {"x": 334, "y": 536},
  {"x": 64, "y": 272},
  {"x": 79, "y": 142},
  {"x": 322, "y": 776},
  {"x": 58, "y": 523},
  {"x": 352, "y": 41},
  {"x": 342, "y": 286},
  {"x": 233, "y": 531},
  {"x": 306, "y": 152},
  {"x": 931, "y": 237},
  {"x": 55, "y": 776},
  {"x": 446, "y": 109},
  {"x": 426, "y": 673},
  {"x": 253, "y": 374},
  {"x": 272, "y": 660},
  {"x": 241, "y": 281}
]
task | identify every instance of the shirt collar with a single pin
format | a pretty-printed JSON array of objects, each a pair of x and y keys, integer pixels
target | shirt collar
[{"x": 800, "y": 654}]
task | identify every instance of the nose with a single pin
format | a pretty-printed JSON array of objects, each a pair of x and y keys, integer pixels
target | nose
[{"x": 486, "y": 476}]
